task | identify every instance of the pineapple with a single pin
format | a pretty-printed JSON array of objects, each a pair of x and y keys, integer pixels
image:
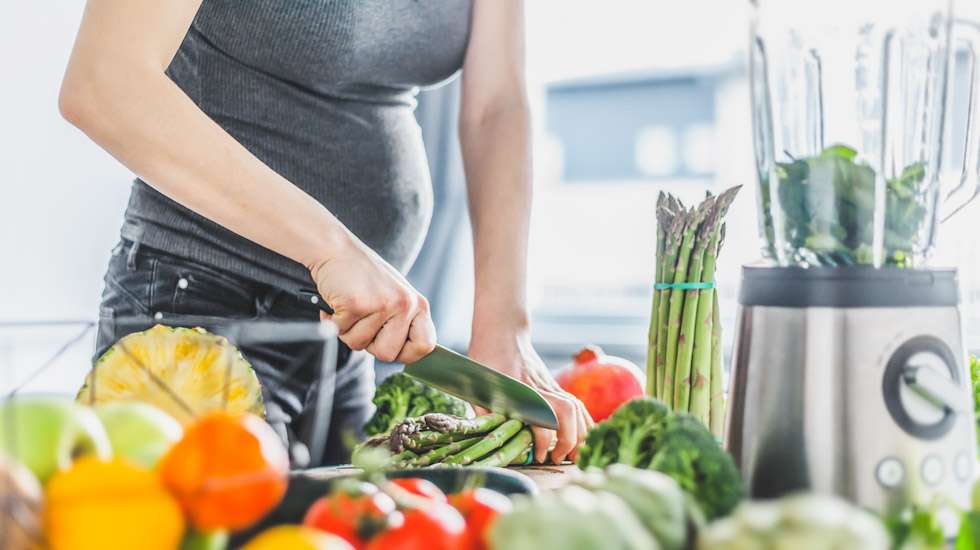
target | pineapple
[{"x": 186, "y": 372}]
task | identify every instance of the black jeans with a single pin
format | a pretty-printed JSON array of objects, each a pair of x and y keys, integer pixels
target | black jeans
[{"x": 144, "y": 287}]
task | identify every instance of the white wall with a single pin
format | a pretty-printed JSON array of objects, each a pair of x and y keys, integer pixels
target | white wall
[{"x": 61, "y": 197}]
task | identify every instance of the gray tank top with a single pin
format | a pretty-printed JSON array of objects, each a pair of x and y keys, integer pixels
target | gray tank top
[{"x": 322, "y": 91}]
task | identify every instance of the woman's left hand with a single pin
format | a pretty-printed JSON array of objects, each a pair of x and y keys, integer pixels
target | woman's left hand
[{"x": 510, "y": 352}]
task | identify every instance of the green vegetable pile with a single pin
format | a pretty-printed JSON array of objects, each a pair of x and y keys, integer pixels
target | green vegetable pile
[
  {"x": 644, "y": 433},
  {"x": 621, "y": 508},
  {"x": 814, "y": 522},
  {"x": 400, "y": 396},
  {"x": 827, "y": 203},
  {"x": 684, "y": 343},
  {"x": 437, "y": 439}
]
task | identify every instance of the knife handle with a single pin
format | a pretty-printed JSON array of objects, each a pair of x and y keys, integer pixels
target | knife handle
[{"x": 313, "y": 297}]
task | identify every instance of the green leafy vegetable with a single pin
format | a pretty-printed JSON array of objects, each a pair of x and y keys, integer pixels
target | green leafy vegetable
[
  {"x": 401, "y": 396},
  {"x": 662, "y": 507},
  {"x": 572, "y": 518},
  {"x": 969, "y": 535},
  {"x": 917, "y": 528},
  {"x": 813, "y": 522},
  {"x": 645, "y": 434},
  {"x": 827, "y": 203}
]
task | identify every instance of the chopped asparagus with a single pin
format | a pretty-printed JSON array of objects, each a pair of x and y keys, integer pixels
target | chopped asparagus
[
  {"x": 512, "y": 449},
  {"x": 439, "y": 454},
  {"x": 466, "y": 426},
  {"x": 489, "y": 443}
]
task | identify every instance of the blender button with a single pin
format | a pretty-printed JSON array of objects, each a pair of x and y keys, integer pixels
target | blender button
[
  {"x": 964, "y": 466},
  {"x": 932, "y": 470},
  {"x": 890, "y": 473}
]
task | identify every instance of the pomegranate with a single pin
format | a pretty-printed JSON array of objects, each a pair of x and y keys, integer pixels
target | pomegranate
[{"x": 602, "y": 382}]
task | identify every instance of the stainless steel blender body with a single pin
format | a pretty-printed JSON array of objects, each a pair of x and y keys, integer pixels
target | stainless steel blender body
[{"x": 852, "y": 382}]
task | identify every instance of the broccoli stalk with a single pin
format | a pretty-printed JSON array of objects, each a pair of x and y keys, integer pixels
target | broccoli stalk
[{"x": 401, "y": 396}]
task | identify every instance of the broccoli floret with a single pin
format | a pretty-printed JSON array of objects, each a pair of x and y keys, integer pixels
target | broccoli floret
[
  {"x": 629, "y": 436},
  {"x": 689, "y": 454},
  {"x": 645, "y": 434},
  {"x": 400, "y": 396}
]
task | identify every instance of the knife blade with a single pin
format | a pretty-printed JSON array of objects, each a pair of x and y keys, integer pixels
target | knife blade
[
  {"x": 470, "y": 381},
  {"x": 463, "y": 377}
]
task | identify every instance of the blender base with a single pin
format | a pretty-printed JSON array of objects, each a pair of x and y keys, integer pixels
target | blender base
[{"x": 852, "y": 381}]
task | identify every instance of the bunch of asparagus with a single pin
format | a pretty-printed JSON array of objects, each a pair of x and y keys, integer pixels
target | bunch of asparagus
[
  {"x": 684, "y": 343},
  {"x": 443, "y": 440}
]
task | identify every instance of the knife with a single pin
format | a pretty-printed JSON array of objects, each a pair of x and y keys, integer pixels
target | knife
[{"x": 468, "y": 380}]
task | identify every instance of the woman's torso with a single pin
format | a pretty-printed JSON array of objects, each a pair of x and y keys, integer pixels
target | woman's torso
[{"x": 322, "y": 91}]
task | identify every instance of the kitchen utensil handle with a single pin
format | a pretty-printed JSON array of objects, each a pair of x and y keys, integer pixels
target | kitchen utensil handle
[
  {"x": 934, "y": 387},
  {"x": 312, "y": 296},
  {"x": 968, "y": 186}
]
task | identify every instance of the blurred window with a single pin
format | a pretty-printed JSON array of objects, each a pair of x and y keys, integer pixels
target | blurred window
[{"x": 616, "y": 128}]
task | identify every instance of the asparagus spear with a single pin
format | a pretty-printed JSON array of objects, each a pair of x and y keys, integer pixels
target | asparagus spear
[
  {"x": 488, "y": 444},
  {"x": 685, "y": 338},
  {"x": 440, "y": 453},
  {"x": 699, "y": 386},
  {"x": 402, "y": 458},
  {"x": 717, "y": 414},
  {"x": 427, "y": 439},
  {"x": 671, "y": 248},
  {"x": 446, "y": 423},
  {"x": 514, "y": 448},
  {"x": 662, "y": 214},
  {"x": 677, "y": 296},
  {"x": 524, "y": 458}
]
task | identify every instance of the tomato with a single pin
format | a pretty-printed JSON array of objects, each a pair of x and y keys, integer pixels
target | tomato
[
  {"x": 421, "y": 487},
  {"x": 432, "y": 527},
  {"x": 480, "y": 508},
  {"x": 356, "y": 511}
]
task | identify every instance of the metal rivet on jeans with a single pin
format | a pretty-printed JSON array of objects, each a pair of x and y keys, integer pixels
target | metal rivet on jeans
[
  {"x": 182, "y": 283},
  {"x": 158, "y": 315}
]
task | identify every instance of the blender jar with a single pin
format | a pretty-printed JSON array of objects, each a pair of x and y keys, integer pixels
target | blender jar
[{"x": 849, "y": 106}]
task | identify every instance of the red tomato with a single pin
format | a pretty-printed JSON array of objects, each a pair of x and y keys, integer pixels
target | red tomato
[
  {"x": 601, "y": 382},
  {"x": 432, "y": 527},
  {"x": 421, "y": 487},
  {"x": 480, "y": 508},
  {"x": 354, "y": 512}
]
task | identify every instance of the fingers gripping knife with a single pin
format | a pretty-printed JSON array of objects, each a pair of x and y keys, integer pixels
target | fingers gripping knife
[{"x": 459, "y": 375}]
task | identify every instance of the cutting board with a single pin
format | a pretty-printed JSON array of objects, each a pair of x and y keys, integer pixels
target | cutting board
[{"x": 549, "y": 477}]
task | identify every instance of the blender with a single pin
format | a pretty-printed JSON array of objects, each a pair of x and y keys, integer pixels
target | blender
[{"x": 849, "y": 372}]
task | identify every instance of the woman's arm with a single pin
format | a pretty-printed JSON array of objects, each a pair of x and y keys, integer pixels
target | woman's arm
[
  {"x": 115, "y": 89},
  {"x": 496, "y": 143}
]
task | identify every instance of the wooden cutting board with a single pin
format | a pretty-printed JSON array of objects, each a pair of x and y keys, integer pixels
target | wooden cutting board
[{"x": 549, "y": 477}]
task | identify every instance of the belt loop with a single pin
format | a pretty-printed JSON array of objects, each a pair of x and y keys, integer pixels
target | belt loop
[{"x": 131, "y": 257}]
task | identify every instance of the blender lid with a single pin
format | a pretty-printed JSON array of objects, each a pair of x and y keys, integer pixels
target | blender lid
[{"x": 798, "y": 287}]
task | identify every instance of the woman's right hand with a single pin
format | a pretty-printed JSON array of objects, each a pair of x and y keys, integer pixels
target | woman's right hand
[{"x": 375, "y": 308}]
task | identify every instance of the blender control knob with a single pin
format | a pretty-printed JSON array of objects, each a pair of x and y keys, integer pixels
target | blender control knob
[
  {"x": 933, "y": 470},
  {"x": 963, "y": 467},
  {"x": 922, "y": 388},
  {"x": 890, "y": 473},
  {"x": 933, "y": 386}
]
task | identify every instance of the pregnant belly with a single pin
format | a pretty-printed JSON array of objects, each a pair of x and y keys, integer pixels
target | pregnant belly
[{"x": 366, "y": 163}]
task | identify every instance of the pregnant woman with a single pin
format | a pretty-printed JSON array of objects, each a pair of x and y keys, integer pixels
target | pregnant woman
[{"x": 275, "y": 148}]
